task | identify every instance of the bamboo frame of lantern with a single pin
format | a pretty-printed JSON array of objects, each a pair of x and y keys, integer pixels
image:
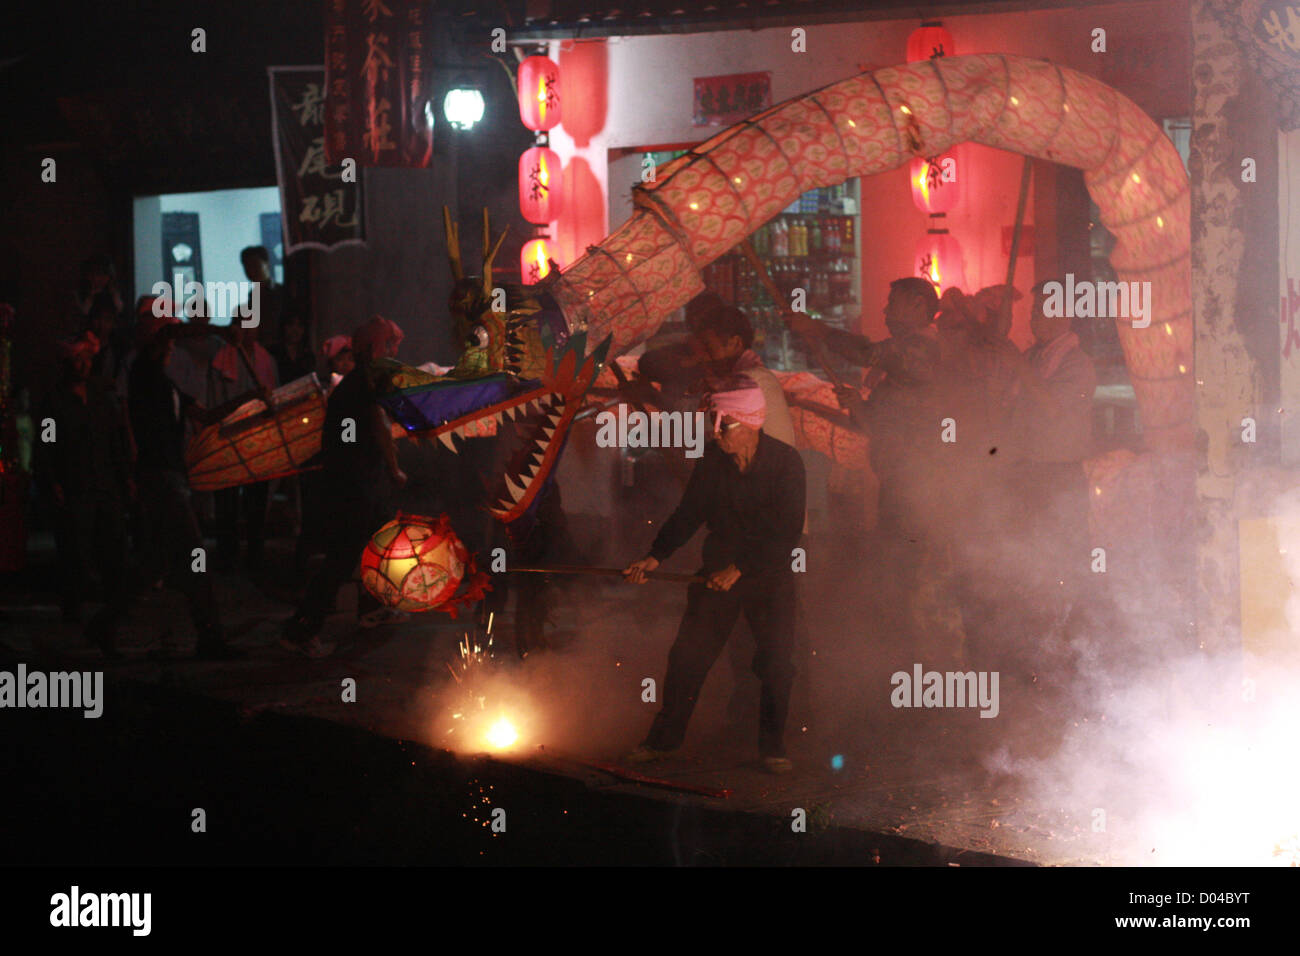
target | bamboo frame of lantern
[{"x": 706, "y": 201}]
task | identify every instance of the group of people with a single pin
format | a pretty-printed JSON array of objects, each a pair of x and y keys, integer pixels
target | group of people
[
  {"x": 131, "y": 391},
  {"x": 978, "y": 449}
]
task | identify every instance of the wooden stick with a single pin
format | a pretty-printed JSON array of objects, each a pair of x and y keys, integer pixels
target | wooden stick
[
  {"x": 623, "y": 773},
  {"x": 1025, "y": 174},
  {"x": 817, "y": 348},
  {"x": 608, "y": 573},
  {"x": 836, "y": 416}
]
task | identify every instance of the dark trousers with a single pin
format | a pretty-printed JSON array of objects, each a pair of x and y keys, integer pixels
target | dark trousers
[
  {"x": 229, "y": 502},
  {"x": 351, "y": 525},
  {"x": 768, "y": 605},
  {"x": 165, "y": 497},
  {"x": 91, "y": 532}
]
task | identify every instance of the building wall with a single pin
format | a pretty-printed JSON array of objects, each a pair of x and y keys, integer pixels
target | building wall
[{"x": 228, "y": 222}]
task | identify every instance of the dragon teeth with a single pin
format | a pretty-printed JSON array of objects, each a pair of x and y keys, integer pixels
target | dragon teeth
[
  {"x": 445, "y": 438},
  {"x": 516, "y": 491}
]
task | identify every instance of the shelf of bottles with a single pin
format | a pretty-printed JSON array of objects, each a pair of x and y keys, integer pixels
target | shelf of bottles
[{"x": 812, "y": 245}]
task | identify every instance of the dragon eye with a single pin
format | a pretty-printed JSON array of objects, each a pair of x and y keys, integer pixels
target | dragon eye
[{"x": 478, "y": 337}]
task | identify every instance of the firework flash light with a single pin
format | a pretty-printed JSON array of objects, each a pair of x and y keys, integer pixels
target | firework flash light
[{"x": 485, "y": 711}]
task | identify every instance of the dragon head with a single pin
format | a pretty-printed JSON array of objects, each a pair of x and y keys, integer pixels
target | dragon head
[{"x": 520, "y": 378}]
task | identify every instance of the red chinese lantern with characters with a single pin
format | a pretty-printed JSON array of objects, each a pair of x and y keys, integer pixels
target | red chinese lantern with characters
[
  {"x": 539, "y": 93},
  {"x": 415, "y": 563},
  {"x": 938, "y": 259},
  {"x": 534, "y": 261},
  {"x": 929, "y": 40},
  {"x": 936, "y": 183},
  {"x": 540, "y": 185}
]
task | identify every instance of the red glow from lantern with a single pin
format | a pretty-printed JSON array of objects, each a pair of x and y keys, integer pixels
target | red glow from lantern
[
  {"x": 534, "y": 261},
  {"x": 539, "y": 93},
  {"x": 540, "y": 185},
  {"x": 929, "y": 40},
  {"x": 936, "y": 183},
  {"x": 938, "y": 259}
]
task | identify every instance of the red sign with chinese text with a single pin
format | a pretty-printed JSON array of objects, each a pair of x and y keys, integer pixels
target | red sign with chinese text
[
  {"x": 379, "y": 83},
  {"x": 724, "y": 100}
]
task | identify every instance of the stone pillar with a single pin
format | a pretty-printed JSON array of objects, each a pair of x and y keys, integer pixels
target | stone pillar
[{"x": 1234, "y": 239}]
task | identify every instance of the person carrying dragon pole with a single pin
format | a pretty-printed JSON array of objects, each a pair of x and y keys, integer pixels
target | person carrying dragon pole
[
  {"x": 748, "y": 490},
  {"x": 360, "y": 476}
]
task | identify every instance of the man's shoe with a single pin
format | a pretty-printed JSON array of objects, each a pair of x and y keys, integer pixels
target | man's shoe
[
  {"x": 312, "y": 647},
  {"x": 644, "y": 754},
  {"x": 777, "y": 765},
  {"x": 220, "y": 652}
]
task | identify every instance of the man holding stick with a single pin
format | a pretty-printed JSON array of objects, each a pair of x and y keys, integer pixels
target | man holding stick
[{"x": 748, "y": 489}]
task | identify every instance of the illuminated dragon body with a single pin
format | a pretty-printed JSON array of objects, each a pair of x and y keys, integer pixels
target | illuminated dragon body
[{"x": 702, "y": 204}]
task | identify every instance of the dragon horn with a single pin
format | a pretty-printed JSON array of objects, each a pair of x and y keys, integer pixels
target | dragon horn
[
  {"x": 489, "y": 255},
  {"x": 453, "y": 244}
]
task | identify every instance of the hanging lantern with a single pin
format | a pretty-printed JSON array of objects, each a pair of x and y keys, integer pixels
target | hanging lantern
[
  {"x": 539, "y": 93},
  {"x": 540, "y": 185},
  {"x": 415, "y": 563},
  {"x": 936, "y": 183},
  {"x": 938, "y": 259},
  {"x": 534, "y": 261},
  {"x": 929, "y": 40}
]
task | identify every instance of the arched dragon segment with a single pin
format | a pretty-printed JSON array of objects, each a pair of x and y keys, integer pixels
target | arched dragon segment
[{"x": 707, "y": 201}]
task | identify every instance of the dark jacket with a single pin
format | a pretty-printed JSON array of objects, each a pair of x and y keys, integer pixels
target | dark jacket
[
  {"x": 754, "y": 518},
  {"x": 90, "y": 454},
  {"x": 157, "y": 409},
  {"x": 353, "y": 470}
]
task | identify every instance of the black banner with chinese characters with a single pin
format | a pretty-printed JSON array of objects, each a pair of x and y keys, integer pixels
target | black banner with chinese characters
[
  {"x": 318, "y": 208},
  {"x": 380, "y": 83}
]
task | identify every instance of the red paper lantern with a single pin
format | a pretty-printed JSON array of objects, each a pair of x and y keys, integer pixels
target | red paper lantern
[
  {"x": 936, "y": 183},
  {"x": 534, "y": 261},
  {"x": 938, "y": 259},
  {"x": 539, "y": 93},
  {"x": 415, "y": 563},
  {"x": 540, "y": 185},
  {"x": 928, "y": 41}
]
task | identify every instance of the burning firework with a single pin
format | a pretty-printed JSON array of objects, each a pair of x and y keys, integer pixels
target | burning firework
[{"x": 479, "y": 726}]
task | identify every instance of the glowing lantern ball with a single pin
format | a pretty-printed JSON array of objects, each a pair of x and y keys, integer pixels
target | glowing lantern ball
[
  {"x": 936, "y": 183},
  {"x": 540, "y": 182},
  {"x": 534, "y": 261},
  {"x": 414, "y": 563},
  {"x": 938, "y": 259},
  {"x": 539, "y": 93},
  {"x": 929, "y": 40}
]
